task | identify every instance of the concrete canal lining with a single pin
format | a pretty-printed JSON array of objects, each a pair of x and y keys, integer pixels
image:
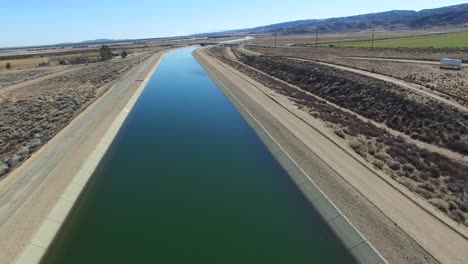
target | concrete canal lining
[
  {"x": 353, "y": 240},
  {"x": 358, "y": 246},
  {"x": 43, "y": 238}
]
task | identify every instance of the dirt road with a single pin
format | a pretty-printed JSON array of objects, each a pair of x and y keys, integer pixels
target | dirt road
[
  {"x": 29, "y": 192},
  {"x": 394, "y": 224},
  {"x": 63, "y": 71}
]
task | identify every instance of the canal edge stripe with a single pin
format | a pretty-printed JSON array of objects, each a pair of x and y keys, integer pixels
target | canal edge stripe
[
  {"x": 359, "y": 247},
  {"x": 36, "y": 249}
]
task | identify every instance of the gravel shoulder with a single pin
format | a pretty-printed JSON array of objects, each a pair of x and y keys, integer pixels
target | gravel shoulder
[{"x": 401, "y": 230}]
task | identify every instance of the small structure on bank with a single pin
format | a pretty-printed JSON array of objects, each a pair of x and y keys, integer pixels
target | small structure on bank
[{"x": 453, "y": 64}]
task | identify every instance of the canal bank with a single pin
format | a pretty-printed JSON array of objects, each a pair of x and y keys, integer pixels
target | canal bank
[
  {"x": 353, "y": 240},
  {"x": 97, "y": 126},
  {"x": 188, "y": 180}
]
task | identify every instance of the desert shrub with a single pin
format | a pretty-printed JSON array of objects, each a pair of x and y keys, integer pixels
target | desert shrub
[
  {"x": 464, "y": 207},
  {"x": 408, "y": 183},
  {"x": 428, "y": 186},
  {"x": 372, "y": 151},
  {"x": 440, "y": 204},
  {"x": 408, "y": 167},
  {"x": 434, "y": 172},
  {"x": 378, "y": 164},
  {"x": 424, "y": 193},
  {"x": 393, "y": 165},
  {"x": 340, "y": 134},
  {"x": 452, "y": 205},
  {"x": 356, "y": 144},
  {"x": 361, "y": 153},
  {"x": 381, "y": 156},
  {"x": 8, "y": 66},
  {"x": 458, "y": 216}
]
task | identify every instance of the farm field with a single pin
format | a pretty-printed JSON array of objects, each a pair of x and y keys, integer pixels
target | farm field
[{"x": 446, "y": 40}]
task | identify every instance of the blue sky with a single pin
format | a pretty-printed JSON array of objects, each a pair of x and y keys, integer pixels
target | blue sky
[{"x": 53, "y": 21}]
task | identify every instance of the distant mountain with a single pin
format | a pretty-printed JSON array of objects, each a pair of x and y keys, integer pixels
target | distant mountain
[
  {"x": 92, "y": 42},
  {"x": 396, "y": 19},
  {"x": 96, "y": 41}
]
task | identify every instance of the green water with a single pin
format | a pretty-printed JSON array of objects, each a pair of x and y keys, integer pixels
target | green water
[{"x": 188, "y": 181}]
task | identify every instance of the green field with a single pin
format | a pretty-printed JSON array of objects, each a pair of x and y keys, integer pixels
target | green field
[{"x": 447, "y": 40}]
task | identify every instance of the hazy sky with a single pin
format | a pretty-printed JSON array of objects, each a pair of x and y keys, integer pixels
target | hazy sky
[{"x": 53, "y": 21}]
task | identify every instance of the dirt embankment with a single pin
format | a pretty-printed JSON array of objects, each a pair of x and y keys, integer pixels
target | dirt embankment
[
  {"x": 30, "y": 116},
  {"x": 433, "y": 176}
]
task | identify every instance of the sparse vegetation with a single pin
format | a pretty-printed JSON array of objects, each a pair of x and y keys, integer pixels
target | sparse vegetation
[
  {"x": 431, "y": 175},
  {"x": 124, "y": 54},
  {"x": 31, "y": 116},
  {"x": 420, "y": 117}
]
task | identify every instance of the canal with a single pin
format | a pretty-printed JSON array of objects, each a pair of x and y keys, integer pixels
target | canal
[{"x": 187, "y": 180}]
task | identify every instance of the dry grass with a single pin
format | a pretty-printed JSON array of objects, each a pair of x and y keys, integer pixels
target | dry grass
[{"x": 23, "y": 63}]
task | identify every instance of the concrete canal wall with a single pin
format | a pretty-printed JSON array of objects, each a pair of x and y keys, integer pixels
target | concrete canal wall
[
  {"x": 43, "y": 238},
  {"x": 353, "y": 240}
]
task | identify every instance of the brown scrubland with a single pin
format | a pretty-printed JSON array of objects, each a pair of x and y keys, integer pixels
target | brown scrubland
[{"x": 345, "y": 100}]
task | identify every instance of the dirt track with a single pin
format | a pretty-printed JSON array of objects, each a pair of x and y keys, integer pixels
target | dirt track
[{"x": 354, "y": 183}]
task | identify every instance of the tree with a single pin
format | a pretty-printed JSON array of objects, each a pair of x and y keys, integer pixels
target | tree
[
  {"x": 106, "y": 53},
  {"x": 124, "y": 54},
  {"x": 8, "y": 66}
]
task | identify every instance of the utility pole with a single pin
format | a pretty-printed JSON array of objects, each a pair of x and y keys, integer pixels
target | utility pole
[
  {"x": 373, "y": 37},
  {"x": 245, "y": 38},
  {"x": 275, "y": 40},
  {"x": 316, "y": 39}
]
